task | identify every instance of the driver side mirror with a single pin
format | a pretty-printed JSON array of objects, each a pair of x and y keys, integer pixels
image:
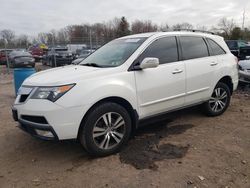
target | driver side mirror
[{"x": 149, "y": 62}]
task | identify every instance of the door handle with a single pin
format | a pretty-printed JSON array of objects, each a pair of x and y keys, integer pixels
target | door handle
[
  {"x": 213, "y": 63},
  {"x": 177, "y": 71}
]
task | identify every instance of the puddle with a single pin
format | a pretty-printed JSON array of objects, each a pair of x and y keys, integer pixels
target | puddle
[{"x": 144, "y": 150}]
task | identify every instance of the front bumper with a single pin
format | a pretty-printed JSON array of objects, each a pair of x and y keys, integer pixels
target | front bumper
[
  {"x": 62, "y": 122},
  {"x": 35, "y": 129}
]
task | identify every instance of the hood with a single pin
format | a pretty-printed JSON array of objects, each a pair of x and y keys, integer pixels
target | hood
[{"x": 62, "y": 75}]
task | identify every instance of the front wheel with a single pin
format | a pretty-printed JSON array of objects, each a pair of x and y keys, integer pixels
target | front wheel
[
  {"x": 106, "y": 129},
  {"x": 219, "y": 101}
]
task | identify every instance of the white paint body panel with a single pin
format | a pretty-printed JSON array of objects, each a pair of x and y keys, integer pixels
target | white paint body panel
[{"x": 149, "y": 91}]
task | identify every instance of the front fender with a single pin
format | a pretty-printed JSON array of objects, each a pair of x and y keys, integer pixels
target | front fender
[{"x": 89, "y": 92}]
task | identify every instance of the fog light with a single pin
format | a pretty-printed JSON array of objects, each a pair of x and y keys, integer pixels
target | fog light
[{"x": 44, "y": 133}]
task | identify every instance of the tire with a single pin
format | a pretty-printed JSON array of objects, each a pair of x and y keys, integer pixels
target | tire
[
  {"x": 219, "y": 101},
  {"x": 51, "y": 63},
  {"x": 98, "y": 136}
]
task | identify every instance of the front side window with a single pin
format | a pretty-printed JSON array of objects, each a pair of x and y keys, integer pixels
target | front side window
[
  {"x": 165, "y": 49},
  {"x": 193, "y": 47},
  {"x": 114, "y": 53},
  {"x": 215, "y": 48}
]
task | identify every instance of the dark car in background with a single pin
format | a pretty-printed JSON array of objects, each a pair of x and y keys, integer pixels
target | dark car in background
[
  {"x": 3, "y": 58},
  {"x": 19, "y": 59},
  {"x": 236, "y": 45},
  {"x": 58, "y": 56}
]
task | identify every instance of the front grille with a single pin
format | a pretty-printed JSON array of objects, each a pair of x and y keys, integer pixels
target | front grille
[{"x": 35, "y": 119}]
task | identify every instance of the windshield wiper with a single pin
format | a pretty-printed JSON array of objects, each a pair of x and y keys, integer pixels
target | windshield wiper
[{"x": 91, "y": 65}]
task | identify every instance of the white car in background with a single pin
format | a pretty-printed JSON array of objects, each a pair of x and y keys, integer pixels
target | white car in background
[
  {"x": 101, "y": 100},
  {"x": 244, "y": 70}
]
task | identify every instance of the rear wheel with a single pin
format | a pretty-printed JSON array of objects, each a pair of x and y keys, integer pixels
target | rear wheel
[
  {"x": 219, "y": 101},
  {"x": 106, "y": 129}
]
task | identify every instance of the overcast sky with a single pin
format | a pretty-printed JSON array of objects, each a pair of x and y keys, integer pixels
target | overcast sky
[{"x": 34, "y": 16}]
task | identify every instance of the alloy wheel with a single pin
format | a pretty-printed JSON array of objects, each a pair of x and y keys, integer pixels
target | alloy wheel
[
  {"x": 218, "y": 100},
  {"x": 109, "y": 130}
]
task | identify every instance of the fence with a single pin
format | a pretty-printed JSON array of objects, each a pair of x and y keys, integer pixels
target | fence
[{"x": 87, "y": 43}]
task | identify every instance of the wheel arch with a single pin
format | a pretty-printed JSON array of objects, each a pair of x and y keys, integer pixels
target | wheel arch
[
  {"x": 119, "y": 100},
  {"x": 228, "y": 81}
]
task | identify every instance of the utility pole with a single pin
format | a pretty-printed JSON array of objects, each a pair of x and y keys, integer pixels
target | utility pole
[
  {"x": 6, "y": 55},
  {"x": 90, "y": 39},
  {"x": 243, "y": 19},
  {"x": 53, "y": 43}
]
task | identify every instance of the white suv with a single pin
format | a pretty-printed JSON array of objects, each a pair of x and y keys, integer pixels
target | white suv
[{"x": 101, "y": 100}]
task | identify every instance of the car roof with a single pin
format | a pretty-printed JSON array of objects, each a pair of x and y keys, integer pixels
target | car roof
[{"x": 158, "y": 34}]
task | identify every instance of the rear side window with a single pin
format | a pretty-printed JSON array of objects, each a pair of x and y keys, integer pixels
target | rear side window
[
  {"x": 215, "y": 48},
  {"x": 165, "y": 49},
  {"x": 193, "y": 47}
]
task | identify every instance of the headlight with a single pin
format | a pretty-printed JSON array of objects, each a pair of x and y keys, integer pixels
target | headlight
[{"x": 51, "y": 93}]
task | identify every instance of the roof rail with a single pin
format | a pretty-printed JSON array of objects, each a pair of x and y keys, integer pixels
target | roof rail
[{"x": 195, "y": 30}]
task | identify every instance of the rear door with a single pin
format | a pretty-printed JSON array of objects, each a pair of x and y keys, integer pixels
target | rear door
[
  {"x": 199, "y": 68},
  {"x": 162, "y": 88}
]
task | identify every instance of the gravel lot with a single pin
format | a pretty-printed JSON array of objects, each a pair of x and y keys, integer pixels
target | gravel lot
[{"x": 184, "y": 149}]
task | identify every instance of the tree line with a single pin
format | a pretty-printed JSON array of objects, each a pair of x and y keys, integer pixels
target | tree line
[{"x": 101, "y": 33}]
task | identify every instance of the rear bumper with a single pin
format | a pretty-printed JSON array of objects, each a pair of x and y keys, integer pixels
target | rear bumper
[
  {"x": 60, "y": 61},
  {"x": 19, "y": 65}
]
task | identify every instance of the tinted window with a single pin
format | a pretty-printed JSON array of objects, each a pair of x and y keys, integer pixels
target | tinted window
[
  {"x": 215, "y": 48},
  {"x": 165, "y": 49},
  {"x": 193, "y": 47}
]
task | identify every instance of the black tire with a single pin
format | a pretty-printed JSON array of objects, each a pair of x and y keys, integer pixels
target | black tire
[
  {"x": 210, "y": 105},
  {"x": 95, "y": 116},
  {"x": 51, "y": 62}
]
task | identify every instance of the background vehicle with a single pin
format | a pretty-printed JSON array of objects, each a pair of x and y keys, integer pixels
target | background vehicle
[
  {"x": 81, "y": 55},
  {"x": 76, "y": 47},
  {"x": 37, "y": 53},
  {"x": 58, "y": 56},
  {"x": 21, "y": 59},
  {"x": 3, "y": 59},
  {"x": 244, "y": 70},
  {"x": 235, "y": 45},
  {"x": 130, "y": 79}
]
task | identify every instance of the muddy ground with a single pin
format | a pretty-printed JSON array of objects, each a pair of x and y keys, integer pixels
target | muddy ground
[{"x": 182, "y": 150}]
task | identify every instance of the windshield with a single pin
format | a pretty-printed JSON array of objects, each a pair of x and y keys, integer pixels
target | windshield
[{"x": 114, "y": 53}]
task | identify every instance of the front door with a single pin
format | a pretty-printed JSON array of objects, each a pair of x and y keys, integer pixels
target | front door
[{"x": 162, "y": 88}]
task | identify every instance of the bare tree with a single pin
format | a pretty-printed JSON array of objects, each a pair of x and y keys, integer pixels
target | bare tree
[
  {"x": 22, "y": 41},
  {"x": 139, "y": 26},
  {"x": 8, "y": 35},
  {"x": 42, "y": 38},
  {"x": 164, "y": 27},
  {"x": 226, "y": 26},
  {"x": 184, "y": 25}
]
